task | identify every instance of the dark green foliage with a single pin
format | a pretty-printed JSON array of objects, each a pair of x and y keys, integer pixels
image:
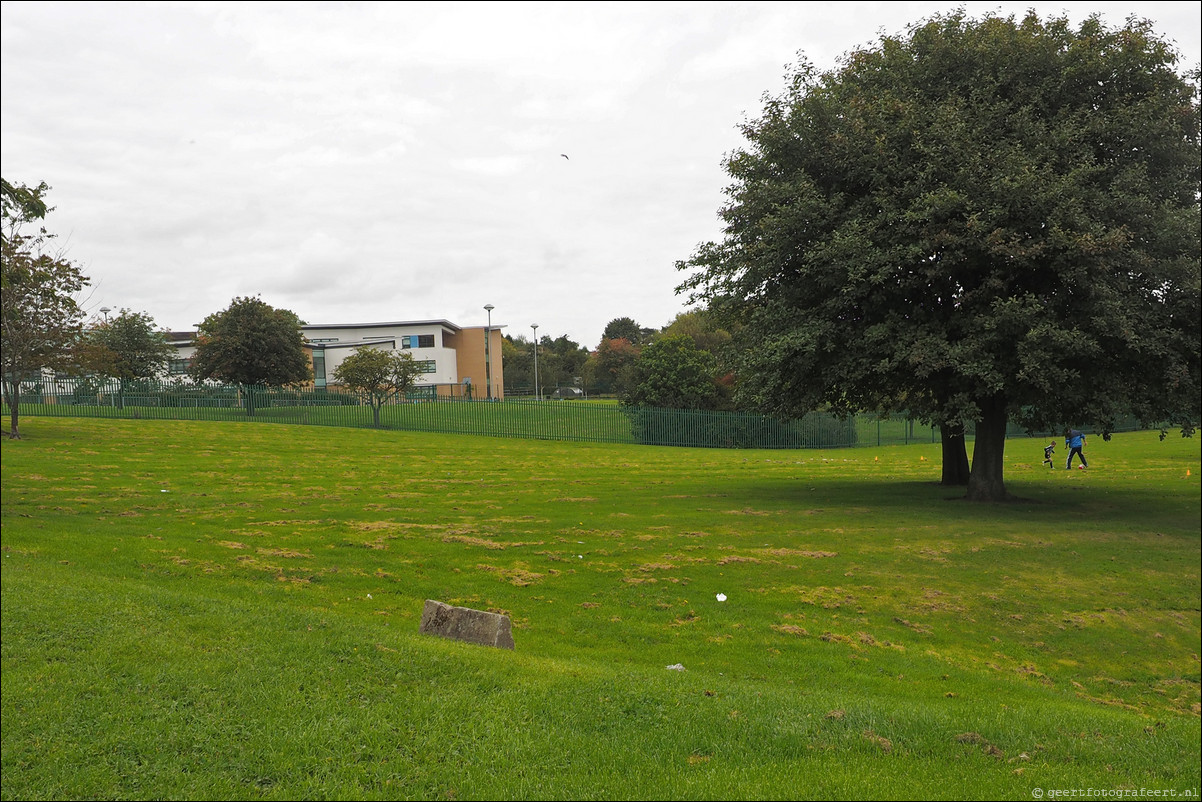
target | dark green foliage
[
  {"x": 251, "y": 343},
  {"x": 673, "y": 372},
  {"x": 22, "y": 203},
  {"x": 673, "y": 427},
  {"x": 626, "y": 328},
  {"x": 981, "y": 220},
  {"x": 130, "y": 347},
  {"x": 560, "y": 363}
]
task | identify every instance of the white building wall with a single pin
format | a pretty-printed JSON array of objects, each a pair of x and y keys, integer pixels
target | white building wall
[{"x": 339, "y": 342}]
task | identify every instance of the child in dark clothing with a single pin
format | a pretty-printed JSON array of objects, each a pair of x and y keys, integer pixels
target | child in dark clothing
[{"x": 1048, "y": 451}]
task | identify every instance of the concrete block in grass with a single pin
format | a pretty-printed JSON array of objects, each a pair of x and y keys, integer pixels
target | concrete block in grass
[{"x": 465, "y": 624}]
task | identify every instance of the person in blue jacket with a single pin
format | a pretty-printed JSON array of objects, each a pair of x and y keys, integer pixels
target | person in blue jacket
[{"x": 1074, "y": 441}]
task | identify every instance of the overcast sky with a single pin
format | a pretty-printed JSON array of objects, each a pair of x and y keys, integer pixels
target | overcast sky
[{"x": 406, "y": 161}]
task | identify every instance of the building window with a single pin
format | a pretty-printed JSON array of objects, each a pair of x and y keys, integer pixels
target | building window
[
  {"x": 418, "y": 341},
  {"x": 426, "y": 366},
  {"x": 319, "y": 368},
  {"x": 178, "y": 367}
]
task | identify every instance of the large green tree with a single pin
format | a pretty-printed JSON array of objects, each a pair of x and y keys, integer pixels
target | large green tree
[
  {"x": 251, "y": 343},
  {"x": 981, "y": 220},
  {"x": 626, "y": 328},
  {"x": 128, "y": 347},
  {"x": 379, "y": 376},
  {"x": 40, "y": 318},
  {"x": 672, "y": 372},
  {"x": 706, "y": 332}
]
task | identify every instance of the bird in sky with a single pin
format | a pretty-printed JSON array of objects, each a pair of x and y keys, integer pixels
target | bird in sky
[{"x": 565, "y": 156}]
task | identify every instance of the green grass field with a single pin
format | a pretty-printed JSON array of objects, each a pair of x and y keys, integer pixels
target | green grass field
[
  {"x": 597, "y": 421},
  {"x": 228, "y": 611}
]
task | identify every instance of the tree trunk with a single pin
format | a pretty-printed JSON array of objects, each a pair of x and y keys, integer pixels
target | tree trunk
[
  {"x": 375, "y": 410},
  {"x": 13, "y": 399},
  {"x": 955, "y": 454},
  {"x": 985, "y": 482}
]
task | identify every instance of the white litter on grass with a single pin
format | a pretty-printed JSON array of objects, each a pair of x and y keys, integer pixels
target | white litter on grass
[
  {"x": 677, "y": 667},
  {"x": 579, "y": 556},
  {"x": 162, "y": 491},
  {"x": 721, "y": 597},
  {"x": 369, "y": 595}
]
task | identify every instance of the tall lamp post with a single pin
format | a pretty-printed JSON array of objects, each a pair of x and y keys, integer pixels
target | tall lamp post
[
  {"x": 536, "y": 393},
  {"x": 488, "y": 351}
]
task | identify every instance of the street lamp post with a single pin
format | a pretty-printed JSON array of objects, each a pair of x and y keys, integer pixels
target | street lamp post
[
  {"x": 488, "y": 351},
  {"x": 536, "y": 393}
]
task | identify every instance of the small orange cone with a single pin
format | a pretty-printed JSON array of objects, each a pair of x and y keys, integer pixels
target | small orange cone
[
  {"x": 876, "y": 459},
  {"x": 1187, "y": 471}
]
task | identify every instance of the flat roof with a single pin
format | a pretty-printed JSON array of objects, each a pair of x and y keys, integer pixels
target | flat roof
[
  {"x": 396, "y": 323},
  {"x": 349, "y": 344},
  {"x": 179, "y": 337}
]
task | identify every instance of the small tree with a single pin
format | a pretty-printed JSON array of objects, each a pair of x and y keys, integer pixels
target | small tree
[
  {"x": 40, "y": 319},
  {"x": 703, "y": 329},
  {"x": 607, "y": 369},
  {"x": 127, "y": 348},
  {"x": 377, "y": 375},
  {"x": 672, "y": 372},
  {"x": 251, "y": 343}
]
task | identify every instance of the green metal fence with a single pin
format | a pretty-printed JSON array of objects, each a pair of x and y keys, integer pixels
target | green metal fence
[{"x": 430, "y": 410}]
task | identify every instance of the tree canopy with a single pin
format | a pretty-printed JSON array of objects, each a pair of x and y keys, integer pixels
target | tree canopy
[
  {"x": 40, "y": 318},
  {"x": 22, "y": 205},
  {"x": 128, "y": 347},
  {"x": 672, "y": 372},
  {"x": 251, "y": 343},
  {"x": 626, "y": 328},
  {"x": 560, "y": 362},
  {"x": 700, "y": 326},
  {"x": 979, "y": 221},
  {"x": 608, "y": 368}
]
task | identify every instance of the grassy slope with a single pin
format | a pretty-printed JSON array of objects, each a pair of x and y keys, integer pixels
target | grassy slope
[{"x": 252, "y": 631}]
